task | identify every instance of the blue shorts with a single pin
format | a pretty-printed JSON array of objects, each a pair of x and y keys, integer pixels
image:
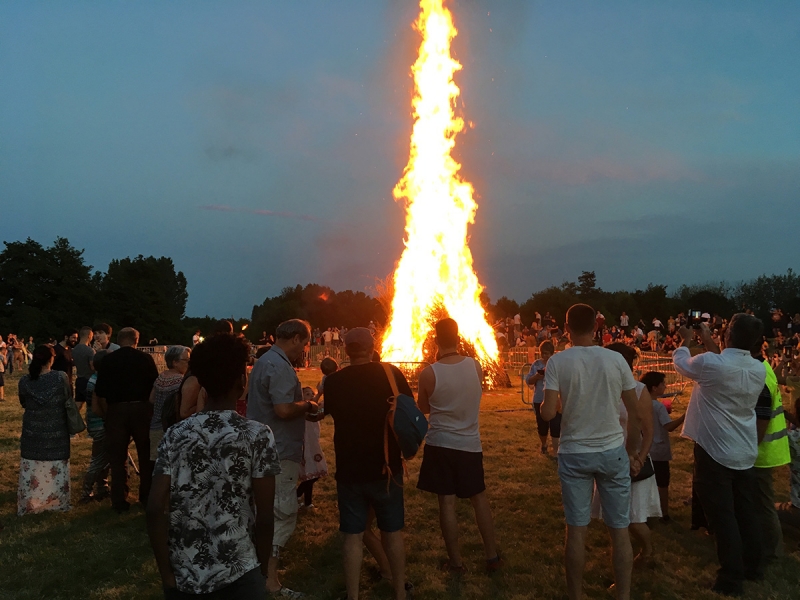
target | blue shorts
[
  {"x": 610, "y": 470},
  {"x": 355, "y": 500}
]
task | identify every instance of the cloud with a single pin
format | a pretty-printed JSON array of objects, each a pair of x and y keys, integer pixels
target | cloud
[{"x": 258, "y": 211}]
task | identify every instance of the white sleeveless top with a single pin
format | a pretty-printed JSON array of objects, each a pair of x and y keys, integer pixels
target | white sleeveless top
[{"x": 455, "y": 404}]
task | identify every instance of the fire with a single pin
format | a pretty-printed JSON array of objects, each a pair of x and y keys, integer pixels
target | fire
[{"x": 435, "y": 270}]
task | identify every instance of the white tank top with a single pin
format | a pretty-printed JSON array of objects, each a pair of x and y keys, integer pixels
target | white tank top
[{"x": 455, "y": 404}]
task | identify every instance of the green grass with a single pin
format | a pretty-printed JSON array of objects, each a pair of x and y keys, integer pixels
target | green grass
[{"x": 92, "y": 553}]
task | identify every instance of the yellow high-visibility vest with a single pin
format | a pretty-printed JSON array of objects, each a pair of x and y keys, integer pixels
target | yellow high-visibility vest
[{"x": 773, "y": 451}]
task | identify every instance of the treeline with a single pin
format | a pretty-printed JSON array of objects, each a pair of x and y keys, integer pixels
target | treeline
[
  {"x": 319, "y": 305},
  {"x": 761, "y": 295},
  {"x": 45, "y": 291}
]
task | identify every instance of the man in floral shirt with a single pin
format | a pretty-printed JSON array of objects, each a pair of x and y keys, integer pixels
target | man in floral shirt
[{"x": 210, "y": 512}]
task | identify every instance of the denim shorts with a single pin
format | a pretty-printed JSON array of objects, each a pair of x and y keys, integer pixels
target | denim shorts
[
  {"x": 610, "y": 470},
  {"x": 355, "y": 500}
]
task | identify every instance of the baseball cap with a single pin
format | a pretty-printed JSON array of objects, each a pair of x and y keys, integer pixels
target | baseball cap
[{"x": 361, "y": 337}]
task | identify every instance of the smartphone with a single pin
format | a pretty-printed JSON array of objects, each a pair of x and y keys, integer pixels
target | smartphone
[{"x": 695, "y": 318}]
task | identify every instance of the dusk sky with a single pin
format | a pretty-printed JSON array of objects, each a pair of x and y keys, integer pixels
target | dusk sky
[{"x": 257, "y": 143}]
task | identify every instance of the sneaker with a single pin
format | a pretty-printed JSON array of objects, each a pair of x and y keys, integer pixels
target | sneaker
[
  {"x": 285, "y": 592},
  {"x": 448, "y": 568}
]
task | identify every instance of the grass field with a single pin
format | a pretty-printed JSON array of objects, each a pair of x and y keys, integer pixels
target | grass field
[{"x": 92, "y": 553}]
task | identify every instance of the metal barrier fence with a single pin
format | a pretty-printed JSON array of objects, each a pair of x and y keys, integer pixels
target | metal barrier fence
[
  {"x": 157, "y": 352},
  {"x": 520, "y": 355},
  {"x": 647, "y": 361}
]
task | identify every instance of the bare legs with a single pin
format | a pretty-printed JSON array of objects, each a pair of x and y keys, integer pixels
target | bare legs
[
  {"x": 388, "y": 551},
  {"x": 449, "y": 525},
  {"x": 641, "y": 532},
  {"x": 575, "y": 555}
]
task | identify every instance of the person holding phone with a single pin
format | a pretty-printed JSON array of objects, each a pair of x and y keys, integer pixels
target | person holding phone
[{"x": 535, "y": 379}]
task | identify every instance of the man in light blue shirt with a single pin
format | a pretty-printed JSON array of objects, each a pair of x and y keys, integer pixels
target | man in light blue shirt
[{"x": 275, "y": 398}]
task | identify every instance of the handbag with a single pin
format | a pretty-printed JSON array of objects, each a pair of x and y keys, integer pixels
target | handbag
[
  {"x": 646, "y": 471},
  {"x": 75, "y": 422}
]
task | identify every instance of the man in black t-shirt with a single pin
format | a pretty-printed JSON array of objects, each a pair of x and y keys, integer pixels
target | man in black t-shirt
[
  {"x": 123, "y": 390},
  {"x": 63, "y": 360},
  {"x": 356, "y": 399}
]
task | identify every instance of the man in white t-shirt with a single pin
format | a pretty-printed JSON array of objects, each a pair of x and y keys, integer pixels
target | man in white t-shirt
[
  {"x": 452, "y": 465},
  {"x": 721, "y": 419},
  {"x": 587, "y": 382}
]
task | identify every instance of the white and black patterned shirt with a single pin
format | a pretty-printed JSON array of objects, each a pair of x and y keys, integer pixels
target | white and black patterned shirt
[{"x": 211, "y": 458}]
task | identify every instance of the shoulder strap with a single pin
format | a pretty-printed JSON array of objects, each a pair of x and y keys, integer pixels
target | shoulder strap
[{"x": 390, "y": 375}]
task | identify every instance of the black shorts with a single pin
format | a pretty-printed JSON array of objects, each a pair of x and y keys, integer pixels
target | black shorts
[
  {"x": 2, "y": 380},
  {"x": 448, "y": 472},
  {"x": 553, "y": 425},
  {"x": 661, "y": 467}
]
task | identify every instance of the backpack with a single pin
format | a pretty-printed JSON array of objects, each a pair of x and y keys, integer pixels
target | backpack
[{"x": 406, "y": 421}]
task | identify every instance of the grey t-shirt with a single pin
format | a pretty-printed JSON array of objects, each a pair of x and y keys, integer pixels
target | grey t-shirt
[
  {"x": 274, "y": 381},
  {"x": 660, "y": 449},
  {"x": 82, "y": 356}
]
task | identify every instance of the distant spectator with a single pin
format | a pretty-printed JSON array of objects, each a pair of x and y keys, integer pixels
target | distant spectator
[
  {"x": 63, "y": 361},
  {"x": 102, "y": 338},
  {"x": 83, "y": 355},
  {"x": 196, "y": 338},
  {"x": 535, "y": 378},
  {"x": 624, "y": 321}
]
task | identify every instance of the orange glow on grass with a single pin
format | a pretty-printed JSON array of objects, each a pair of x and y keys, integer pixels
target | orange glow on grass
[{"x": 435, "y": 270}]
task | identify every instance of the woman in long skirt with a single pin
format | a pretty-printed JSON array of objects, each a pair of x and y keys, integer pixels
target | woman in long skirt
[{"x": 44, "y": 444}]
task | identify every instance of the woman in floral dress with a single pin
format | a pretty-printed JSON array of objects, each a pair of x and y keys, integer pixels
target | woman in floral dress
[{"x": 44, "y": 443}]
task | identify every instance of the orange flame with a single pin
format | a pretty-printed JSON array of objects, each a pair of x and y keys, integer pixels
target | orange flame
[{"x": 435, "y": 268}]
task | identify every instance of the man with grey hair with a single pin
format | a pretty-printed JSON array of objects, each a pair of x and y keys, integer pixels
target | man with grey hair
[
  {"x": 123, "y": 390},
  {"x": 276, "y": 400}
]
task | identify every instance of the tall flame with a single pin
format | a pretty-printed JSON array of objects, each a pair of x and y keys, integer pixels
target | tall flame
[{"x": 435, "y": 270}]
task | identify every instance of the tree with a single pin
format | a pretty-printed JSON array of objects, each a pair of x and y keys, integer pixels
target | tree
[
  {"x": 319, "y": 305},
  {"x": 503, "y": 308},
  {"x": 44, "y": 291},
  {"x": 768, "y": 292},
  {"x": 587, "y": 283},
  {"x": 145, "y": 293}
]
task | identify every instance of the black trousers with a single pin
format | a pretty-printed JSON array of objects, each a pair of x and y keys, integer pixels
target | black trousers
[
  {"x": 126, "y": 421},
  {"x": 250, "y": 586},
  {"x": 728, "y": 498}
]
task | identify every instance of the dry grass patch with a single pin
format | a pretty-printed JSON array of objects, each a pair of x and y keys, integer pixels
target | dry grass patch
[{"x": 92, "y": 553}]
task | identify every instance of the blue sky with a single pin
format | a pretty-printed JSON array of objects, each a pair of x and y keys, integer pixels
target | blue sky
[{"x": 257, "y": 143}]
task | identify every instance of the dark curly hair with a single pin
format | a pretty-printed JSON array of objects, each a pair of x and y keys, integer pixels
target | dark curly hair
[{"x": 219, "y": 363}]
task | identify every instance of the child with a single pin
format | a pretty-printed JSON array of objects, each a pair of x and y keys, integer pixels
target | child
[
  {"x": 660, "y": 450},
  {"x": 313, "y": 466}
]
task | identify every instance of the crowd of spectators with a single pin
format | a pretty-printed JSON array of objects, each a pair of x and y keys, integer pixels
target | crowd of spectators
[{"x": 221, "y": 408}]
